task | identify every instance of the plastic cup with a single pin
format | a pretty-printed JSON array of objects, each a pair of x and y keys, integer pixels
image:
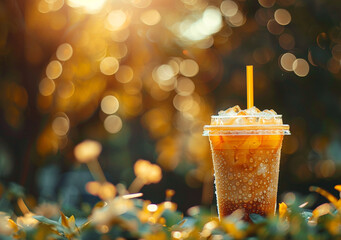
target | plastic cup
[{"x": 246, "y": 157}]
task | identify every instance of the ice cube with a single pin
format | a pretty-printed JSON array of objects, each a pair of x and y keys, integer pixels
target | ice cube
[
  {"x": 269, "y": 112},
  {"x": 215, "y": 121},
  {"x": 243, "y": 112},
  {"x": 267, "y": 120},
  {"x": 253, "y": 120},
  {"x": 232, "y": 111},
  {"x": 240, "y": 121},
  {"x": 252, "y": 111},
  {"x": 278, "y": 121}
]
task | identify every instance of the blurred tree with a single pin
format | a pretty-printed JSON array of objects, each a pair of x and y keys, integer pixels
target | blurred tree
[{"x": 143, "y": 77}]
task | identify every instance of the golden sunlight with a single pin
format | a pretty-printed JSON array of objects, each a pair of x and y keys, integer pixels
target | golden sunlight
[{"x": 89, "y": 6}]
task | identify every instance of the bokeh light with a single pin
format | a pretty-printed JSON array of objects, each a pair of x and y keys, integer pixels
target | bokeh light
[
  {"x": 199, "y": 28},
  {"x": 300, "y": 67},
  {"x": 141, "y": 3},
  {"x": 54, "y": 69},
  {"x": 89, "y": 6},
  {"x": 61, "y": 125},
  {"x": 45, "y": 6},
  {"x": 212, "y": 20},
  {"x": 282, "y": 16},
  {"x": 109, "y": 104},
  {"x": 183, "y": 103},
  {"x": 164, "y": 73},
  {"x": 274, "y": 27},
  {"x": 287, "y": 61},
  {"x": 46, "y": 87},
  {"x": 109, "y": 65},
  {"x": 64, "y": 52},
  {"x": 237, "y": 20},
  {"x": 267, "y": 3},
  {"x": 116, "y": 20},
  {"x": 229, "y": 8},
  {"x": 113, "y": 124},
  {"x": 150, "y": 17},
  {"x": 189, "y": 68},
  {"x": 185, "y": 86}
]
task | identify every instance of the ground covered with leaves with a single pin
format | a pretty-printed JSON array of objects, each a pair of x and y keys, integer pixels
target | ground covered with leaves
[{"x": 126, "y": 216}]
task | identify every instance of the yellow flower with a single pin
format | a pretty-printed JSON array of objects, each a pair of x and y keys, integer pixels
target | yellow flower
[
  {"x": 147, "y": 172},
  {"x": 232, "y": 230},
  {"x": 155, "y": 236},
  {"x": 27, "y": 220},
  {"x": 327, "y": 195},
  {"x": 282, "y": 209},
  {"x": 5, "y": 225},
  {"x": 334, "y": 226},
  {"x": 338, "y": 187},
  {"x": 152, "y": 212},
  {"x": 87, "y": 151},
  {"x": 69, "y": 223},
  {"x": 321, "y": 210},
  {"x": 110, "y": 212},
  {"x": 230, "y": 225},
  {"x": 104, "y": 190}
]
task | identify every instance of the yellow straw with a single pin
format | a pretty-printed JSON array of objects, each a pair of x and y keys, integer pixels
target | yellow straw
[{"x": 249, "y": 80}]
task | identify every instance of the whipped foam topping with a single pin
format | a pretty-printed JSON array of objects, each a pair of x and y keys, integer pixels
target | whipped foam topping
[{"x": 253, "y": 116}]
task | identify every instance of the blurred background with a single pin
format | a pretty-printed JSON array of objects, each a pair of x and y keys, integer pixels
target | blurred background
[{"x": 142, "y": 77}]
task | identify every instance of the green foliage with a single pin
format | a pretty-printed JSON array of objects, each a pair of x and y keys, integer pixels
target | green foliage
[{"x": 138, "y": 219}]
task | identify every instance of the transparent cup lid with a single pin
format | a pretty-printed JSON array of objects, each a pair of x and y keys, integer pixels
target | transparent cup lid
[{"x": 246, "y": 125}]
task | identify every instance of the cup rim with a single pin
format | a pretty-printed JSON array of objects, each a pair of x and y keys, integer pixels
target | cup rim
[
  {"x": 271, "y": 129},
  {"x": 251, "y": 126}
]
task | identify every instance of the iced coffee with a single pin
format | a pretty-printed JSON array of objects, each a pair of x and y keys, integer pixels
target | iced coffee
[{"x": 246, "y": 148}]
